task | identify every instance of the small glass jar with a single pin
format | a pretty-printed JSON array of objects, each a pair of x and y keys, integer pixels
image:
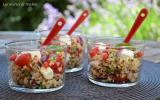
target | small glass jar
[
  {"x": 113, "y": 63},
  {"x": 34, "y": 68},
  {"x": 76, "y": 44}
]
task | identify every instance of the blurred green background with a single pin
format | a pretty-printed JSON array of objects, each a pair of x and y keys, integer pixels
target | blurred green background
[
  {"x": 14, "y": 16},
  {"x": 107, "y": 17}
]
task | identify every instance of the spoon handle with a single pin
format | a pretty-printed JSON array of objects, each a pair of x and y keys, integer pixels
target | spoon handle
[
  {"x": 54, "y": 31},
  {"x": 140, "y": 18},
  {"x": 81, "y": 18}
]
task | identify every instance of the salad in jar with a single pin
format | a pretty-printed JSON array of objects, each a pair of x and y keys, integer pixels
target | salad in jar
[
  {"x": 75, "y": 49},
  {"x": 75, "y": 52},
  {"x": 36, "y": 69},
  {"x": 114, "y": 65}
]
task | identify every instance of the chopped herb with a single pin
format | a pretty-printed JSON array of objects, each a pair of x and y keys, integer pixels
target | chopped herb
[
  {"x": 53, "y": 58},
  {"x": 58, "y": 48},
  {"x": 25, "y": 73},
  {"x": 109, "y": 70},
  {"x": 74, "y": 48},
  {"x": 40, "y": 86}
]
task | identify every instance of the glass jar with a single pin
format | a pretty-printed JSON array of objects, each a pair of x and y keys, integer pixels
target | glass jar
[
  {"x": 34, "y": 68},
  {"x": 113, "y": 63},
  {"x": 76, "y": 44}
]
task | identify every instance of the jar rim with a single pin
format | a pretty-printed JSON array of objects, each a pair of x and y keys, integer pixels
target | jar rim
[
  {"x": 65, "y": 30},
  {"x": 19, "y": 43},
  {"x": 133, "y": 42},
  {"x": 60, "y": 30}
]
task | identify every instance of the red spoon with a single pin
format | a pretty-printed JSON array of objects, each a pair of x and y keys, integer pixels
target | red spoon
[
  {"x": 56, "y": 28},
  {"x": 81, "y": 18},
  {"x": 140, "y": 18}
]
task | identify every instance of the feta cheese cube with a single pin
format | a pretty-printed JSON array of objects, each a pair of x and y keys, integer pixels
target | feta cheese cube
[
  {"x": 101, "y": 46},
  {"x": 127, "y": 52},
  {"x": 47, "y": 72}
]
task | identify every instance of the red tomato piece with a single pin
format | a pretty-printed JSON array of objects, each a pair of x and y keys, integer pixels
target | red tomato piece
[
  {"x": 45, "y": 64},
  {"x": 69, "y": 49},
  {"x": 93, "y": 52},
  {"x": 13, "y": 57},
  {"x": 23, "y": 59},
  {"x": 59, "y": 58},
  {"x": 53, "y": 66},
  {"x": 139, "y": 54},
  {"x": 105, "y": 56},
  {"x": 58, "y": 67}
]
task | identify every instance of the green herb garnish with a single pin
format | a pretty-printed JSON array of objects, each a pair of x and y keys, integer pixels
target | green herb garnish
[
  {"x": 58, "y": 48},
  {"x": 109, "y": 70},
  {"x": 40, "y": 86},
  {"x": 74, "y": 48},
  {"x": 25, "y": 73},
  {"x": 53, "y": 58}
]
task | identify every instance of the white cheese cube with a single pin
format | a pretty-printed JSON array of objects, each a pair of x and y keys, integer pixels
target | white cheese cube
[
  {"x": 101, "y": 46},
  {"x": 127, "y": 52},
  {"x": 47, "y": 72}
]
